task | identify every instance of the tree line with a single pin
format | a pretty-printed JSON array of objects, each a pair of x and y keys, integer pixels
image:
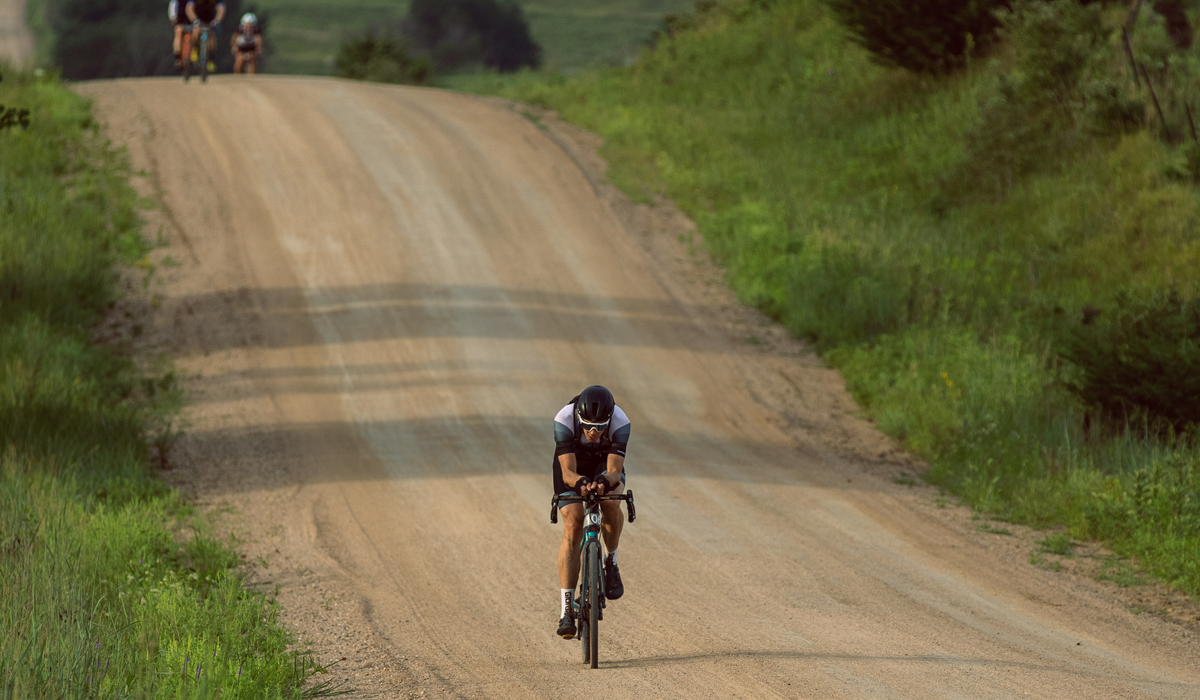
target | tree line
[{"x": 96, "y": 39}]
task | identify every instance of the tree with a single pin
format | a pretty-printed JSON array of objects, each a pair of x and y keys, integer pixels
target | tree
[{"x": 460, "y": 35}]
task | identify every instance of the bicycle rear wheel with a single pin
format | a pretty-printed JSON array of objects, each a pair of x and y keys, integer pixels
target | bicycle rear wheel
[{"x": 593, "y": 598}]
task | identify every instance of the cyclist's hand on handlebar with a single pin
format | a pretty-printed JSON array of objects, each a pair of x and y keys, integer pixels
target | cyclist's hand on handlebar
[{"x": 581, "y": 486}]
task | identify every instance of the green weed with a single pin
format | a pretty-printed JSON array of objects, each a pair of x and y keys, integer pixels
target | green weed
[
  {"x": 1043, "y": 563},
  {"x": 1057, "y": 543},
  {"x": 992, "y": 529},
  {"x": 1121, "y": 572}
]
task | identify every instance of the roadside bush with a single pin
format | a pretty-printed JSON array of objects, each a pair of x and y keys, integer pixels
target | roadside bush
[
  {"x": 926, "y": 36},
  {"x": 381, "y": 57},
  {"x": 1141, "y": 356},
  {"x": 1153, "y": 514}
]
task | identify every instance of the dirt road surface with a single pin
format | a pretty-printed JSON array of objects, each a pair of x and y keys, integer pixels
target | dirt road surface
[
  {"x": 382, "y": 297},
  {"x": 16, "y": 42}
]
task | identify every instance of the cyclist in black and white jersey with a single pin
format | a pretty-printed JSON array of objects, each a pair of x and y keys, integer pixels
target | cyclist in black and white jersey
[{"x": 590, "y": 436}]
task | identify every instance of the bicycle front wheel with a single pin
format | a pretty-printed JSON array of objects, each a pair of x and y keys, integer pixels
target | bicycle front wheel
[
  {"x": 593, "y": 599},
  {"x": 204, "y": 57},
  {"x": 582, "y": 620}
]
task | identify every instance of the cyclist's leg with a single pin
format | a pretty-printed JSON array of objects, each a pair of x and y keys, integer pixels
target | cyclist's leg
[
  {"x": 568, "y": 551},
  {"x": 572, "y": 518},
  {"x": 238, "y": 58},
  {"x": 252, "y": 57},
  {"x": 177, "y": 40}
]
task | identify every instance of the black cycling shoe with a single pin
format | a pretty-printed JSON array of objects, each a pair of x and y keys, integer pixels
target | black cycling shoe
[
  {"x": 566, "y": 627},
  {"x": 613, "y": 588}
]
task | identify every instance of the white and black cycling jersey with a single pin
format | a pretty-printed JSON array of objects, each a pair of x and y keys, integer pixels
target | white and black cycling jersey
[{"x": 569, "y": 438}]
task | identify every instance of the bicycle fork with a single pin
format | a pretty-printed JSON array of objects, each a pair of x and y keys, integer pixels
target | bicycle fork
[{"x": 591, "y": 533}]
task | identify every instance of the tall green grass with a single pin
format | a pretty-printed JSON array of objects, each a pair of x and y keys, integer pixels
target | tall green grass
[
  {"x": 109, "y": 586},
  {"x": 854, "y": 204}
]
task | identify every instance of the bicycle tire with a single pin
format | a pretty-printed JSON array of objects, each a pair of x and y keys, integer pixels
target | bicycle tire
[
  {"x": 204, "y": 57},
  {"x": 583, "y": 608},
  {"x": 594, "y": 602}
]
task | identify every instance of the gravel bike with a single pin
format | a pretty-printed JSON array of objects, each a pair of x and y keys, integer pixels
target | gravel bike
[
  {"x": 201, "y": 51},
  {"x": 588, "y": 606}
]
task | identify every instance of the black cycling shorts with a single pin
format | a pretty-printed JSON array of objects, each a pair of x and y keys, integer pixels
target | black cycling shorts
[
  {"x": 204, "y": 13},
  {"x": 585, "y": 464}
]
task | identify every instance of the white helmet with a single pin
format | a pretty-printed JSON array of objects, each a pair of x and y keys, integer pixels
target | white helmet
[{"x": 250, "y": 19}]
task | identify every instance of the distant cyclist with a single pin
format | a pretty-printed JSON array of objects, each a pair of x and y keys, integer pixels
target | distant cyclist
[
  {"x": 210, "y": 12},
  {"x": 590, "y": 436},
  {"x": 179, "y": 20},
  {"x": 247, "y": 44}
]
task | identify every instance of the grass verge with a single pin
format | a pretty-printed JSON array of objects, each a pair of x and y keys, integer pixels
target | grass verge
[
  {"x": 846, "y": 200},
  {"x": 109, "y": 586}
]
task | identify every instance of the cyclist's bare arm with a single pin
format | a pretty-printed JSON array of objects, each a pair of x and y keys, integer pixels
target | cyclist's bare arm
[
  {"x": 616, "y": 467},
  {"x": 568, "y": 465}
]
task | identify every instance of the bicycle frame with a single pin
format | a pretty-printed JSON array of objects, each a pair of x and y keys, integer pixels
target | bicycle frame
[
  {"x": 589, "y": 605},
  {"x": 201, "y": 31}
]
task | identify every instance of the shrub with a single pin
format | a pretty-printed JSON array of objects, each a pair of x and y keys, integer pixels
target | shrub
[
  {"x": 926, "y": 36},
  {"x": 381, "y": 57},
  {"x": 460, "y": 35},
  {"x": 1056, "y": 95},
  {"x": 1142, "y": 356}
]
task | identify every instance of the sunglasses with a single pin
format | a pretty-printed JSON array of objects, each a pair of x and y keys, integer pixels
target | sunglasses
[{"x": 584, "y": 425}]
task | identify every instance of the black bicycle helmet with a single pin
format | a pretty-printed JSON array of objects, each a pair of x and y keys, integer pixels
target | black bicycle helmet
[{"x": 595, "y": 405}]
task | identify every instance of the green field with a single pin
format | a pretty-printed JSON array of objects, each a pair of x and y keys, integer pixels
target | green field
[
  {"x": 573, "y": 35},
  {"x": 933, "y": 246}
]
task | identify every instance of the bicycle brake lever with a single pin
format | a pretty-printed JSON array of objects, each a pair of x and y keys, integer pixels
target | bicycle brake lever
[
  {"x": 632, "y": 510},
  {"x": 554, "y": 510}
]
